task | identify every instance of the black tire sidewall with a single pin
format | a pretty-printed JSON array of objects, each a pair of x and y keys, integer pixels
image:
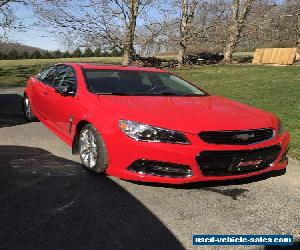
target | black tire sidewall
[
  {"x": 102, "y": 159},
  {"x": 30, "y": 117}
]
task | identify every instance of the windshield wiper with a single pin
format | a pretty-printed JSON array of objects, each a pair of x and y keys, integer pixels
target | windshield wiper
[
  {"x": 174, "y": 94},
  {"x": 116, "y": 93},
  {"x": 168, "y": 93},
  {"x": 193, "y": 95},
  {"x": 139, "y": 94},
  {"x": 148, "y": 94}
]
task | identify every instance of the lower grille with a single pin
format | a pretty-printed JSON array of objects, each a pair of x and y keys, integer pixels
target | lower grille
[
  {"x": 158, "y": 168},
  {"x": 219, "y": 163}
]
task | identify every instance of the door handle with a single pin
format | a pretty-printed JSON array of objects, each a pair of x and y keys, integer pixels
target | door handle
[{"x": 45, "y": 93}]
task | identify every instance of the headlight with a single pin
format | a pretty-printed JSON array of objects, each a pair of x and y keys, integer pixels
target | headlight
[
  {"x": 281, "y": 129},
  {"x": 143, "y": 132}
]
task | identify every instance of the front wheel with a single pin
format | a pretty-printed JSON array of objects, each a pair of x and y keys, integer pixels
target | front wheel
[
  {"x": 29, "y": 116},
  {"x": 92, "y": 149}
]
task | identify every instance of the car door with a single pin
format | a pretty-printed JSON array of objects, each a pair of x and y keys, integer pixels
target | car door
[
  {"x": 45, "y": 92},
  {"x": 37, "y": 87},
  {"x": 64, "y": 105}
]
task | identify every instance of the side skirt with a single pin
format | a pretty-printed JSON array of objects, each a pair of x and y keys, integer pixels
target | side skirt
[{"x": 63, "y": 137}]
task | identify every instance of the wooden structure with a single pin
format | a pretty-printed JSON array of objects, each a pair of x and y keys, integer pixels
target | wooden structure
[{"x": 285, "y": 56}]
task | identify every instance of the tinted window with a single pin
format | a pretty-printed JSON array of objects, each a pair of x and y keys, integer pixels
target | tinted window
[
  {"x": 48, "y": 76},
  {"x": 65, "y": 77},
  {"x": 42, "y": 74},
  {"x": 137, "y": 83}
]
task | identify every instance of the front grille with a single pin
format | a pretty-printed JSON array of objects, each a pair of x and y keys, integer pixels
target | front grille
[
  {"x": 238, "y": 137},
  {"x": 219, "y": 163}
]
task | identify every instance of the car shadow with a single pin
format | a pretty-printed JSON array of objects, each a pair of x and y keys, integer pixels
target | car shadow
[
  {"x": 48, "y": 202},
  {"x": 220, "y": 187},
  {"x": 11, "y": 113}
]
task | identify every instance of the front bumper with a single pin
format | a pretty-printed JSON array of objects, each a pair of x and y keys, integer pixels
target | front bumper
[{"x": 123, "y": 151}]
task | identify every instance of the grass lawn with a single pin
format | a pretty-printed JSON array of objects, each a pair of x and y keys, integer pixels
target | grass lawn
[
  {"x": 273, "y": 88},
  {"x": 15, "y": 72}
]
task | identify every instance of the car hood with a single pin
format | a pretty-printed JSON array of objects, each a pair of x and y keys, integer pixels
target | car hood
[{"x": 188, "y": 114}]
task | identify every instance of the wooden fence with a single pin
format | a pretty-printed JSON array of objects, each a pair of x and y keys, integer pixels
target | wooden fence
[{"x": 285, "y": 56}]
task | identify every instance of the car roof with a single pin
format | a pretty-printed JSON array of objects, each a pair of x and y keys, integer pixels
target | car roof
[{"x": 114, "y": 67}]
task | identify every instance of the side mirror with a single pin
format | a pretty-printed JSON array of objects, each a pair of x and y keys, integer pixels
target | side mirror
[{"x": 65, "y": 90}]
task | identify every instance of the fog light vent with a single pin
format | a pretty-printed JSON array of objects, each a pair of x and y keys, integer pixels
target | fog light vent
[{"x": 158, "y": 168}]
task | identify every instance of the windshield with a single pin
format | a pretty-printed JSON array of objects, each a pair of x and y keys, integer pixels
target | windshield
[{"x": 126, "y": 82}]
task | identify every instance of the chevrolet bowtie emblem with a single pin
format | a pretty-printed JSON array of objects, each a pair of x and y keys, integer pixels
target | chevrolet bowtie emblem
[{"x": 243, "y": 137}]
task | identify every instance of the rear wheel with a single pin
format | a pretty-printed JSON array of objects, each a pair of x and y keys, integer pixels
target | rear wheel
[
  {"x": 92, "y": 149},
  {"x": 29, "y": 116}
]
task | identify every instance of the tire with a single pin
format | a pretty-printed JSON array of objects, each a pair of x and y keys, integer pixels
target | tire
[
  {"x": 28, "y": 115},
  {"x": 92, "y": 149}
]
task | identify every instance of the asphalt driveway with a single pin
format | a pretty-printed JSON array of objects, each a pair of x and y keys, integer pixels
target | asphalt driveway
[{"x": 47, "y": 201}]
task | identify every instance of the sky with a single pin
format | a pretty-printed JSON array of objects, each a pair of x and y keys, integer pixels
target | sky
[
  {"x": 37, "y": 36},
  {"x": 33, "y": 36}
]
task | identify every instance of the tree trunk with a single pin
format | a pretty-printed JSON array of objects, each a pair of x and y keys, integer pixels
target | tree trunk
[
  {"x": 127, "y": 57},
  {"x": 185, "y": 23},
  {"x": 183, "y": 32},
  {"x": 128, "y": 46},
  {"x": 228, "y": 51},
  {"x": 238, "y": 17},
  {"x": 234, "y": 35},
  {"x": 233, "y": 32},
  {"x": 181, "y": 53}
]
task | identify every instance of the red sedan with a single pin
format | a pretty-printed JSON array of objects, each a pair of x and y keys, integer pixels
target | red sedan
[{"x": 150, "y": 125}]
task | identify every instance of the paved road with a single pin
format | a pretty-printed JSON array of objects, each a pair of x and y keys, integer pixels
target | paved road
[{"x": 47, "y": 201}]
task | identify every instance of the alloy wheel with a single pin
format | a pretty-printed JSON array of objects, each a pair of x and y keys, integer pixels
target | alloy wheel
[
  {"x": 27, "y": 108},
  {"x": 88, "y": 148}
]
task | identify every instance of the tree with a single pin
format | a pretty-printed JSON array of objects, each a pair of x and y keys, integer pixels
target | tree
[
  {"x": 97, "y": 52},
  {"x": 130, "y": 16},
  {"x": 91, "y": 23},
  {"x": 104, "y": 53},
  {"x": 8, "y": 19},
  {"x": 57, "y": 54},
  {"x": 66, "y": 54},
  {"x": 115, "y": 52},
  {"x": 36, "y": 54},
  {"x": 289, "y": 20},
  {"x": 12, "y": 55},
  {"x": 210, "y": 24},
  {"x": 47, "y": 55},
  {"x": 239, "y": 12},
  {"x": 25, "y": 55},
  {"x": 88, "y": 53},
  {"x": 77, "y": 53},
  {"x": 187, "y": 14}
]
